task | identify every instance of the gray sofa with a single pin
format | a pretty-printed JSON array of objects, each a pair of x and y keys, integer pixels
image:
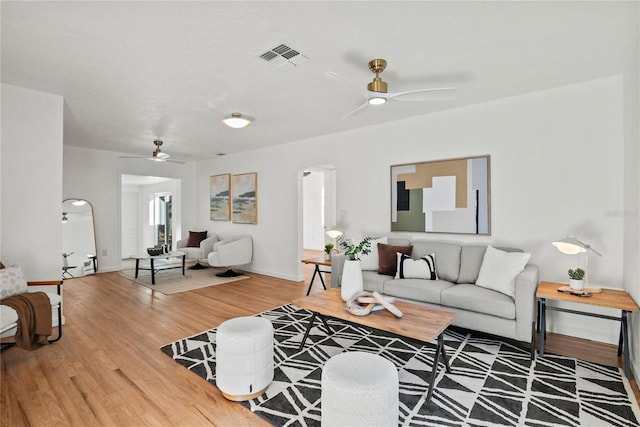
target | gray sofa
[{"x": 457, "y": 265}]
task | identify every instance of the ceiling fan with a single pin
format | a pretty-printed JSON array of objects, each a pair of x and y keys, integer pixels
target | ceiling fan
[
  {"x": 157, "y": 156},
  {"x": 376, "y": 93}
]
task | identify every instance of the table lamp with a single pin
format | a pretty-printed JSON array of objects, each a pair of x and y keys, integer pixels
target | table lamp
[
  {"x": 335, "y": 235},
  {"x": 571, "y": 245}
]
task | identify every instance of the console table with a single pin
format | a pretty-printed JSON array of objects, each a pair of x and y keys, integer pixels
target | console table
[
  {"x": 609, "y": 298},
  {"x": 317, "y": 262}
]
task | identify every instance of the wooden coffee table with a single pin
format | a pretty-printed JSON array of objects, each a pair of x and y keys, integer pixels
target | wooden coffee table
[{"x": 421, "y": 323}]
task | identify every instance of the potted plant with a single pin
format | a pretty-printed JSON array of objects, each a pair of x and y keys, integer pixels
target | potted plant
[
  {"x": 327, "y": 250},
  {"x": 353, "y": 251},
  {"x": 352, "y": 273},
  {"x": 576, "y": 278}
]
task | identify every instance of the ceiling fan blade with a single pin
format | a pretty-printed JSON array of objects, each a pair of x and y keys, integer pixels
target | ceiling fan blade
[
  {"x": 356, "y": 111},
  {"x": 418, "y": 95}
]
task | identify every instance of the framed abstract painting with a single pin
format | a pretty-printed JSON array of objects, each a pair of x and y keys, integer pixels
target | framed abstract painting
[
  {"x": 244, "y": 191},
  {"x": 219, "y": 200},
  {"x": 443, "y": 196}
]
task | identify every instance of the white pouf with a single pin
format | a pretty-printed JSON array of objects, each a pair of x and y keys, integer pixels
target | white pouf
[
  {"x": 244, "y": 357},
  {"x": 359, "y": 389}
]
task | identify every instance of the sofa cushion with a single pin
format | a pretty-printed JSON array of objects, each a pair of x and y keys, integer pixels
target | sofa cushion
[
  {"x": 12, "y": 282},
  {"x": 499, "y": 270},
  {"x": 471, "y": 258},
  {"x": 373, "y": 282},
  {"x": 447, "y": 257},
  {"x": 370, "y": 260},
  {"x": 387, "y": 258},
  {"x": 416, "y": 289},
  {"x": 423, "y": 268},
  {"x": 195, "y": 237},
  {"x": 480, "y": 300}
]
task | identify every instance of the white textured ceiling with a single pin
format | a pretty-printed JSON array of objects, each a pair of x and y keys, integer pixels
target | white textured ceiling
[{"x": 131, "y": 72}]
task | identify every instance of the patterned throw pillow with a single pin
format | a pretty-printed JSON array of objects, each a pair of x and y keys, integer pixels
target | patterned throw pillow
[
  {"x": 12, "y": 282},
  {"x": 422, "y": 268}
]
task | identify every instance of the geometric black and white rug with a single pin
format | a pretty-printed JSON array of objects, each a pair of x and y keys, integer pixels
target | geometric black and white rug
[{"x": 491, "y": 382}]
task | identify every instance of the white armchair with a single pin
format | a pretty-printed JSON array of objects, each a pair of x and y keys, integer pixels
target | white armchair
[
  {"x": 197, "y": 252},
  {"x": 13, "y": 283},
  {"x": 231, "y": 252}
]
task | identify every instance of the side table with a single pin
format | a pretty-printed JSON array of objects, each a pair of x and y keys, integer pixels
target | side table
[
  {"x": 317, "y": 262},
  {"x": 609, "y": 298}
]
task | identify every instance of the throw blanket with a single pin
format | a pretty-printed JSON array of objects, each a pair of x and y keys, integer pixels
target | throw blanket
[{"x": 34, "y": 318}]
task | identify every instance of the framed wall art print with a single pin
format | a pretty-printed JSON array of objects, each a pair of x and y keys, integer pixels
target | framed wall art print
[
  {"x": 219, "y": 197},
  {"x": 444, "y": 196},
  {"x": 244, "y": 191}
]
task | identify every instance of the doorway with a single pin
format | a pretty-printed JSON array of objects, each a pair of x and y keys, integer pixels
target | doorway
[{"x": 150, "y": 212}]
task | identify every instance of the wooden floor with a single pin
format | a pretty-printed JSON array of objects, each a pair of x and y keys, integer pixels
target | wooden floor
[{"x": 108, "y": 368}]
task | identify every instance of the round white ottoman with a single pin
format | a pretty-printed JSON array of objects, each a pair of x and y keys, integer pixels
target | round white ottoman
[
  {"x": 244, "y": 357},
  {"x": 359, "y": 389}
]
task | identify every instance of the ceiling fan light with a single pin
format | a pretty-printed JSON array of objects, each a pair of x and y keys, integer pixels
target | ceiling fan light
[
  {"x": 377, "y": 100},
  {"x": 237, "y": 121}
]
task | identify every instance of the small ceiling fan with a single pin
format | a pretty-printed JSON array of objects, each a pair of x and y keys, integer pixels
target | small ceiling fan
[
  {"x": 157, "y": 156},
  {"x": 376, "y": 93}
]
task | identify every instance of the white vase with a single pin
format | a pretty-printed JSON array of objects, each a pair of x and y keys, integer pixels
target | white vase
[
  {"x": 576, "y": 284},
  {"x": 351, "y": 279}
]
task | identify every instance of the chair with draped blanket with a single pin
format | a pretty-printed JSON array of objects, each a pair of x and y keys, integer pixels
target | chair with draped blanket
[{"x": 26, "y": 313}]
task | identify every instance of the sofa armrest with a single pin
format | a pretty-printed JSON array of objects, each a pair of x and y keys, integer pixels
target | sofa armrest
[
  {"x": 56, "y": 283},
  {"x": 231, "y": 252},
  {"x": 206, "y": 245},
  {"x": 525, "y": 300},
  {"x": 337, "y": 265},
  {"x": 182, "y": 243}
]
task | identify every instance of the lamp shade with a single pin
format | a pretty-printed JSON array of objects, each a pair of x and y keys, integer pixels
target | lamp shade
[
  {"x": 334, "y": 234},
  {"x": 237, "y": 121},
  {"x": 570, "y": 245}
]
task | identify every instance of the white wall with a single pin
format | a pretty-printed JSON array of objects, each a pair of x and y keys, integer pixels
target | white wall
[
  {"x": 631, "y": 212},
  {"x": 31, "y": 170},
  {"x": 94, "y": 175},
  {"x": 550, "y": 175}
]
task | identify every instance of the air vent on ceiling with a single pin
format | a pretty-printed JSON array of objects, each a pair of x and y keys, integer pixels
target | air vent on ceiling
[{"x": 284, "y": 57}]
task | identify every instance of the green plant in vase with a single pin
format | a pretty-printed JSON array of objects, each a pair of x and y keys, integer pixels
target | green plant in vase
[
  {"x": 353, "y": 251},
  {"x": 577, "y": 274}
]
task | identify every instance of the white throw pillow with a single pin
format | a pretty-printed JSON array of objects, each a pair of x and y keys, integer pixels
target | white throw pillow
[
  {"x": 12, "y": 282},
  {"x": 370, "y": 261},
  {"x": 423, "y": 268},
  {"x": 499, "y": 270}
]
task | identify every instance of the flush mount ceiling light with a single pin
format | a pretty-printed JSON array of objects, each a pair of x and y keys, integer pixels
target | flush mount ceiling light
[{"x": 237, "y": 121}]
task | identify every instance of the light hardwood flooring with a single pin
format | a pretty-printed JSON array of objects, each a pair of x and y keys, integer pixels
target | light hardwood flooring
[{"x": 108, "y": 368}]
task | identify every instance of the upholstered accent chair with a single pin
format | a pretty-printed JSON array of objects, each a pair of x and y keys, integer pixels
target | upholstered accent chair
[
  {"x": 13, "y": 283},
  {"x": 197, "y": 246},
  {"x": 231, "y": 252}
]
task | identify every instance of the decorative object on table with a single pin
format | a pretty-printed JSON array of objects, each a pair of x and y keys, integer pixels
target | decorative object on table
[
  {"x": 363, "y": 303},
  {"x": 576, "y": 278},
  {"x": 352, "y": 273},
  {"x": 439, "y": 193},
  {"x": 155, "y": 250},
  {"x": 244, "y": 193},
  {"x": 537, "y": 391},
  {"x": 570, "y": 245},
  {"x": 219, "y": 201},
  {"x": 65, "y": 258},
  {"x": 328, "y": 249}
]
